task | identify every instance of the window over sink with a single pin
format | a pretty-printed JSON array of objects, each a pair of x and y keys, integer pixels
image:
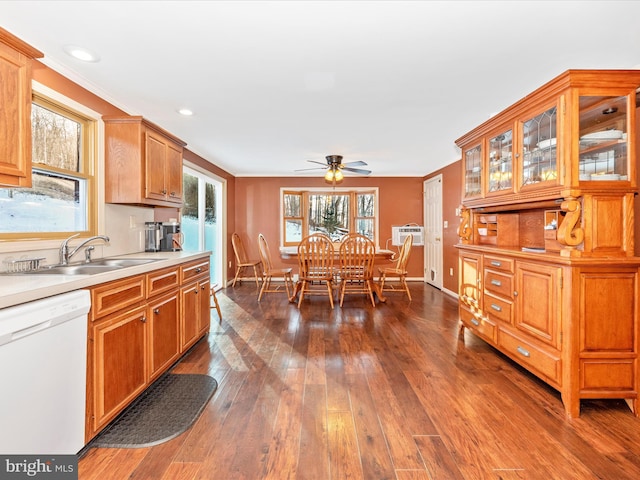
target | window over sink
[{"x": 61, "y": 199}]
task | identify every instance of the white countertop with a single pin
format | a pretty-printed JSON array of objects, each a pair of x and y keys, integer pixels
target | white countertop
[{"x": 21, "y": 288}]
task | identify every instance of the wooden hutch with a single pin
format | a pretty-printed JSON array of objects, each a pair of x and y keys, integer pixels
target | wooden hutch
[{"x": 548, "y": 274}]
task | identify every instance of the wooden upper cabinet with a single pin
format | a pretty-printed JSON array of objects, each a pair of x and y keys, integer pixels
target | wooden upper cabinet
[
  {"x": 574, "y": 134},
  {"x": 16, "y": 59},
  {"x": 143, "y": 163}
]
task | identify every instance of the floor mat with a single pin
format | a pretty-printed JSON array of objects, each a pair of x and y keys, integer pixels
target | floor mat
[{"x": 164, "y": 411}]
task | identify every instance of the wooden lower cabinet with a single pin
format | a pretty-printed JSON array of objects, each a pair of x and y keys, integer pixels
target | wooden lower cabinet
[
  {"x": 120, "y": 344},
  {"x": 196, "y": 312},
  {"x": 164, "y": 333},
  {"x": 138, "y": 328},
  {"x": 573, "y": 323}
]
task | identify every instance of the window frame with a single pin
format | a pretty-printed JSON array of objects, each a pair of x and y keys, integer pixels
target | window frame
[
  {"x": 88, "y": 161},
  {"x": 353, "y": 208}
]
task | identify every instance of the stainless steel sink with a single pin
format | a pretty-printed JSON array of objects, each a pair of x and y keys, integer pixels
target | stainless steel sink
[
  {"x": 121, "y": 262},
  {"x": 98, "y": 266},
  {"x": 85, "y": 269}
]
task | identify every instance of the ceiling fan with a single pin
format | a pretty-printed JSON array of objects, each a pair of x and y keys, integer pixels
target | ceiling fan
[{"x": 335, "y": 168}]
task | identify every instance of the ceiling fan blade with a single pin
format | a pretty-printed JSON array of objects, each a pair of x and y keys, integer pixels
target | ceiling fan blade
[
  {"x": 357, "y": 170},
  {"x": 309, "y": 169},
  {"x": 357, "y": 163},
  {"x": 319, "y": 163}
]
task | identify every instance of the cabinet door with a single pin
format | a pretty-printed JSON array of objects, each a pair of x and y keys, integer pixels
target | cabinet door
[
  {"x": 500, "y": 166},
  {"x": 164, "y": 333},
  {"x": 155, "y": 158},
  {"x": 538, "y": 303},
  {"x": 120, "y": 363},
  {"x": 538, "y": 150},
  {"x": 204, "y": 317},
  {"x": 470, "y": 290},
  {"x": 472, "y": 172},
  {"x": 174, "y": 173},
  {"x": 15, "y": 118},
  {"x": 190, "y": 301}
]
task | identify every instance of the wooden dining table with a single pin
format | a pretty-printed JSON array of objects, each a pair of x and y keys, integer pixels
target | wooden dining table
[{"x": 381, "y": 255}]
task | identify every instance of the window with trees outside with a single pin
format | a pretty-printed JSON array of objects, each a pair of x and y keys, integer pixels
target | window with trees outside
[
  {"x": 334, "y": 213},
  {"x": 58, "y": 203}
]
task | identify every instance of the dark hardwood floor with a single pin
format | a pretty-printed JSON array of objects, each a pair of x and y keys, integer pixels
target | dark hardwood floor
[{"x": 372, "y": 393}]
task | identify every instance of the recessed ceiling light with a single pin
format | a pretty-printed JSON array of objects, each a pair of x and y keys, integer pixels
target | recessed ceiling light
[
  {"x": 185, "y": 111},
  {"x": 81, "y": 53}
]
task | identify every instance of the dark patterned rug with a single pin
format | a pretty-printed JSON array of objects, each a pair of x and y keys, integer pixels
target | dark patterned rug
[{"x": 165, "y": 410}]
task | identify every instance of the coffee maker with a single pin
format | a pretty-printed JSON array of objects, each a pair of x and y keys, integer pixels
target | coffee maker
[
  {"x": 153, "y": 235},
  {"x": 171, "y": 240}
]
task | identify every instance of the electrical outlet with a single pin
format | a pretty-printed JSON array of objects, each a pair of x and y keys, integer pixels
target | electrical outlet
[
  {"x": 132, "y": 221},
  {"x": 451, "y": 272},
  {"x": 229, "y": 263},
  {"x": 446, "y": 224}
]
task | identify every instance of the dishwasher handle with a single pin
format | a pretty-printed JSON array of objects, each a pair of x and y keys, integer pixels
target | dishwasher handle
[{"x": 24, "y": 332}]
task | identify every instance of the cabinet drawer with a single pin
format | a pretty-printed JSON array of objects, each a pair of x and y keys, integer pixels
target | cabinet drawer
[
  {"x": 498, "y": 308},
  {"x": 498, "y": 283},
  {"x": 532, "y": 357},
  {"x": 482, "y": 326},
  {"x": 499, "y": 263},
  {"x": 194, "y": 269},
  {"x": 113, "y": 296},
  {"x": 162, "y": 280}
]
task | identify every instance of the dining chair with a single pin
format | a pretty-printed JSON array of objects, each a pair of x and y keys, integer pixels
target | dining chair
[
  {"x": 357, "y": 254},
  {"x": 268, "y": 272},
  {"x": 315, "y": 257},
  {"x": 398, "y": 271},
  {"x": 242, "y": 260},
  {"x": 215, "y": 305}
]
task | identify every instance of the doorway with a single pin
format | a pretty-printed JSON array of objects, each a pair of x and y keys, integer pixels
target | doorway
[
  {"x": 433, "y": 256},
  {"x": 202, "y": 218}
]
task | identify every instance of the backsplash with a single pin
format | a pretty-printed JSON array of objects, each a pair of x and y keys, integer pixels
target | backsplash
[{"x": 123, "y": 224}]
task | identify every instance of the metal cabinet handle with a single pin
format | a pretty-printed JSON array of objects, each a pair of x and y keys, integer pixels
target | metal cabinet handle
[
  {"x": 475, "y": 322},
  {"x": 515, "y": 293},
  {"x": 198, "y": 269},
  {"x": 195, "y": 290},
  {"x": 156, "y": 311},
  {"x": 497, "y": 283},
  {"x": 201, "y": 287},
  {"x": 172, "y": 194},
  {"x": 495, "y": 263},
  {"x": 497, "y": 308},
  {"x": 523, "y": 352},
  {"x": 143, "y": 319},
  {"x": 164, "y": 192}
]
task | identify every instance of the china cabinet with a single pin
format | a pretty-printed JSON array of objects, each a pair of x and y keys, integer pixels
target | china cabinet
[
  {"x": 143, "y": 163},
  {"x": 548, "y": 274},
  {"x": 16, "y": 58}
]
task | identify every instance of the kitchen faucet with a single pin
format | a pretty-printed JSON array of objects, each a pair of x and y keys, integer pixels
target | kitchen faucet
[{"x": 65, "y": 255}]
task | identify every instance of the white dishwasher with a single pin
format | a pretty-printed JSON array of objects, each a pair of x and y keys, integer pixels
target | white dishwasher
[{"x": 43, "y": 362}]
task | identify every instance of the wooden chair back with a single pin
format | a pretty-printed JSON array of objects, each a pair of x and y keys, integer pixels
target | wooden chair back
[
  {"x": 357, "y": 254},
  {"x": 315, "y": 257},
  {"x": 239, "y": 250},
  {"x": 265, "y": 254},
  {"x": 405, "y": 251}
]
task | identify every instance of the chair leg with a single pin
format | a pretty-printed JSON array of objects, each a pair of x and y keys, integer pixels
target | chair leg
[
  {"x": 382, "y": 279},
  {"x": 343, "y": 286},
  {"x": 370, "y": 288},
  {"x": 215, "y": 302},
  {"x": 406, "y": 287},
  {"x": 255, "y": 274},
  {"x": 235, "y": 279},
  {"x": 288, "y": 281},
  {"x": 266, "y": 281},
  {"x": 330, "y": 291},
  {"x": 302, "y": 289}
]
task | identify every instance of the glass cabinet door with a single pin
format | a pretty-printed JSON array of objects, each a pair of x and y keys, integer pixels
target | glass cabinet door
[
  {"x": 500, "y": 162},
  {"x": 473, "y": 172},
  {"x": 539, "y": 158},
  {"x": 603, "y": 138}
]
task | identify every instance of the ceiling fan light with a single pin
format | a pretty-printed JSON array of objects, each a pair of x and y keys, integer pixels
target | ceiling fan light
[
  {"x": 329, "y": 176},
  {"x": 338, "y": 176}
]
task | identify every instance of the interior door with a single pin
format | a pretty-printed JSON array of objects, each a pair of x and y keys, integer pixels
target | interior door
[{"x": 433, "y": 261}]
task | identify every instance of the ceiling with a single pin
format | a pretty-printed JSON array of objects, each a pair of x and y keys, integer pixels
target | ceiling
[{"x": 274, "y": 84}]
